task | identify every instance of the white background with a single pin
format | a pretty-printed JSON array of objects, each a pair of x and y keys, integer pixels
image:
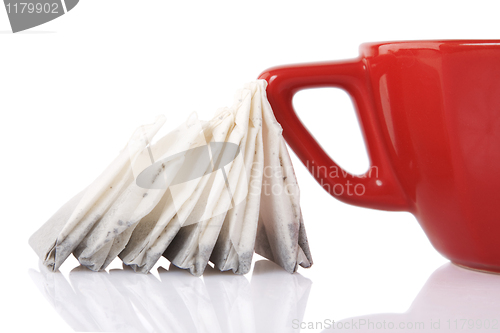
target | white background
[{"x": 73, "y": 90}]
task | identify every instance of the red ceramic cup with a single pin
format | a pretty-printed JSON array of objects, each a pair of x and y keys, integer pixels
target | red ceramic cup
[{"x": 430, "y": 115}]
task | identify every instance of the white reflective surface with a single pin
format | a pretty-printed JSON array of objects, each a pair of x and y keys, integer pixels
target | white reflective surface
[
  {"x": 453, "y": 299},
  {"x": 71, "y": 98},
  {"x": 124, "y": 301}
]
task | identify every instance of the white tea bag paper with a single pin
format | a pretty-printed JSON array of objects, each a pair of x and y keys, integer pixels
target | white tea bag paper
[{"x": 196, "y": 195}]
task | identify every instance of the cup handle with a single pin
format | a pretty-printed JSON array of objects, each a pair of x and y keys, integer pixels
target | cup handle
[{"x": 378, "y": 188}]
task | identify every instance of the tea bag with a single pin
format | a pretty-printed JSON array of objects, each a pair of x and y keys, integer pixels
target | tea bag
[
  {"x": 201, "y": 193},
  {"x": 64, "y": 231},
  {"x": 235, "y": 245},
  {"x": 113, "y": 231},
  {"x": 185, "y": 205},
  {"x": 281, "y": 235}
]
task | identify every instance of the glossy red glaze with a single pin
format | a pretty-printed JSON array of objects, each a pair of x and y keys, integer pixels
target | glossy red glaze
[{"x": 430, "y": 115}]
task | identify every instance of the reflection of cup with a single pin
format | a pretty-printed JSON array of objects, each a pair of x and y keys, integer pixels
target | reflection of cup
[
  {"x": 430, "y": 114},
  {"x": 452, "y": 300}
]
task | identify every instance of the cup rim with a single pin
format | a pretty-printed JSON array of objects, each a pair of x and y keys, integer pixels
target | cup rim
[{"x": 375, "y": 48}]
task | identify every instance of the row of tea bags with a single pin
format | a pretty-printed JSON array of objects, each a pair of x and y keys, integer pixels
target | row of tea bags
[{"x": 207, "y": 191}]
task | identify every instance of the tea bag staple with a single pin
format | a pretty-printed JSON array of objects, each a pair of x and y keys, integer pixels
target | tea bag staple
[{"x": 215, "y": 191}]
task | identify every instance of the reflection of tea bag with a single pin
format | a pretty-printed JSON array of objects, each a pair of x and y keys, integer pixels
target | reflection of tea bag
[
  {"x": 198, "y": 194},
  {"x": 231, "y": 296},
  {"x": 179, "y": 302},
  {"x": 272, "y": 289}
]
